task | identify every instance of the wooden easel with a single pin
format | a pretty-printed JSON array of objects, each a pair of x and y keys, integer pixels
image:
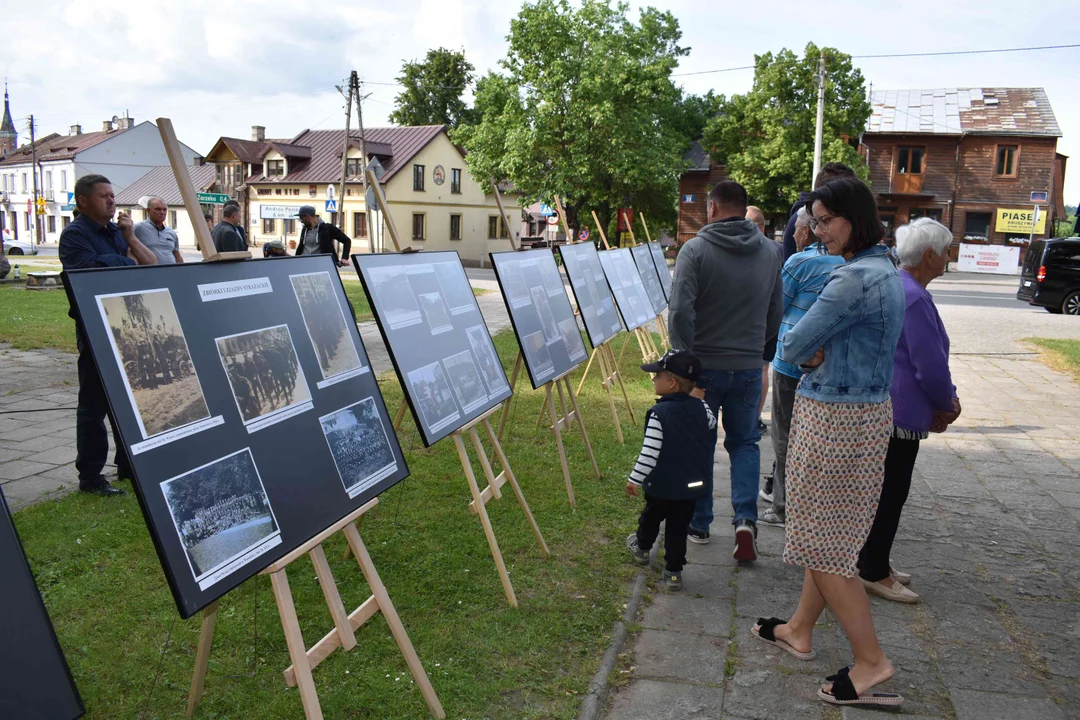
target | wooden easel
[
  {"x": 343, "y": 635},
  {"x": 649, "y": 351},
  {"x": 502, "y": 213},
  {"x": 558, "y": 422},
  {"x": 665, "y": 338},
  {"x": 380, "y": 200},
  {"x": 610, "y": 375}
]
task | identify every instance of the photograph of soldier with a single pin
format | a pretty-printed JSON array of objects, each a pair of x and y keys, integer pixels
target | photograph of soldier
[
  {"x": 536, "y": 353},
  {"x": 549, "y": 273},
  {"x": 455, "y": 286},
  {"x": 220, "y": 511},
  {"x": 431, "y": 393},
  {"x": 394, "y": 296},
  {"x": 484, "y": 350},
  {"x": 358, "y": 442},
  {"x": 543, "y": 309},
  {"x": 435, "y": 312},
  {"x": 325, "y": 323},
  {"x": 514, "y": 283},
  {"x": 263, "y": 371},
  {"x": 152, "y": 352},
  {"x": 571, "y": 336},
  {"x": 465, "y": 379}
]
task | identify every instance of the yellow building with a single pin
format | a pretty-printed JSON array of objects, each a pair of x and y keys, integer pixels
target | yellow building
[{"x": 434, "y": 201}]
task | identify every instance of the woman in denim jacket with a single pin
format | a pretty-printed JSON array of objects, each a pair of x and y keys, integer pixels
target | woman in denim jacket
[{"x": 839, "y": 436}]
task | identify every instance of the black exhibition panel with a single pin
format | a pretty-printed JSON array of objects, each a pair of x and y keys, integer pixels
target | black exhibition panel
[
  {"x": 540, "y": 312},
  {"x": 625, "y": 282},
  {"x": 35, "y": 681},
  {"x": 591, "y": 292},
  {"x": 649, "y": 278},
  {"x": 437, "y": 339},
  {"x": 661, "y": 268},
  {"x": 248, "y": 406}
]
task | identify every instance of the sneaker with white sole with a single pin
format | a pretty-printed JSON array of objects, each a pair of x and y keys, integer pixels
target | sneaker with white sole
[
  {"x": 766, "y": 493},
  {"x": 771, "y": 517},
  {"x": 745, "y": 541},
  {"x": 640, "y": 557},
  {"x": 673, "y": 580},
  {"x": 701, "y": 537}
]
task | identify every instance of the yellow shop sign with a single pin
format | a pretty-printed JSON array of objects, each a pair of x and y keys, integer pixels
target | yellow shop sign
[{"x": 1019, "y": 221}]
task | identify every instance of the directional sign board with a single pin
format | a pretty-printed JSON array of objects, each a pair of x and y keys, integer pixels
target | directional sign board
[
  {"x": 213, "y": 198},
  {"x": 277, "y": 212}
]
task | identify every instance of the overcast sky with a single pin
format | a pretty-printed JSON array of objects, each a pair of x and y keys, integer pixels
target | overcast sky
[{"x": 217, "y": 68}]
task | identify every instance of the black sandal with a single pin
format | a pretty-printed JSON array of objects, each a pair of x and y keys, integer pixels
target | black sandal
[
  {"x": 766, "y": 633},
  {"x": 843, "y": 693}
]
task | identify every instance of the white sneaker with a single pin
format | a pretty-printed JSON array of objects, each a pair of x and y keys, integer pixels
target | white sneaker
[{"x": 767, "y": 497}]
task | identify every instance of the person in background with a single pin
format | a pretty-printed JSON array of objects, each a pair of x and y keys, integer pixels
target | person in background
[
  {"x": 804, "y": 274},
  {"x": 754, "y": 215},
  {"x": 923, "y": 398},
  {"x": 93, "y": 240},
  {"x": 839, "y": 436},
  {"x": 209, "y": 221},
  {"x": 227, "y": 237},
  {"x": 156, "y": 235},
  {"x": 726, "y": 305},
  {"x": 831, "y": 171},
  {"x": 676, "y": 459},
  {"x": 318, "y": 237},
  {"x": 240, "y": 225}
]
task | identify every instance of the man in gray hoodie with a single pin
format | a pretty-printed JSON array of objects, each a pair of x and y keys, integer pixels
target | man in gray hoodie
[{"x": 726, "y": 303}]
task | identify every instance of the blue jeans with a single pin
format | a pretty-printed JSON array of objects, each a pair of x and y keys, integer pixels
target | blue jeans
[{"x": 733, "y": 398}]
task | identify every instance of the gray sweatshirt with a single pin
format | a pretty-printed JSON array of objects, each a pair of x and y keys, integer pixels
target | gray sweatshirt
[{"x": 727, "y": 296}]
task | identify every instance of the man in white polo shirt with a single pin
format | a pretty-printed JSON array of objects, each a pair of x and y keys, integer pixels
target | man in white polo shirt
[{"x": 156, "y": 235}]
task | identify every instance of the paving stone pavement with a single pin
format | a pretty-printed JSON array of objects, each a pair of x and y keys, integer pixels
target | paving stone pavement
[
  {"x": 990, "y": 534},
  {"x": 39, "y": 391}
]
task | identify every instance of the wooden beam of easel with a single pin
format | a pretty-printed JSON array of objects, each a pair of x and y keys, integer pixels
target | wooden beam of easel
[
  {"x": 610, "y": 375},
  {"x": 190, "y": 196},
  {"x": 600, "y": 229},
  {"x": 502, "y": 212},
  {"x": 648, "y": 238},
  {"x": 562, "y": 217},
  {"x": 380, "y": 199},
  {"x": 616, "y": 373},
  {"x": 629, "y": 228}
]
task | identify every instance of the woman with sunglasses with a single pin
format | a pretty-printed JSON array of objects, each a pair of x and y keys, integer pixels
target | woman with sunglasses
[{"x": 839, "y": 437}]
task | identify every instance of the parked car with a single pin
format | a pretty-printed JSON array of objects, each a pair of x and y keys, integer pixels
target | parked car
[
  {"x": 18, "y": 247},
  {"x": 1050, "y": 276}
]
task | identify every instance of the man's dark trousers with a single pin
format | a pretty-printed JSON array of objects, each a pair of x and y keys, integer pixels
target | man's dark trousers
[
  {"x": 91, "y": 440},
  {"x": 678, "y": 514}
]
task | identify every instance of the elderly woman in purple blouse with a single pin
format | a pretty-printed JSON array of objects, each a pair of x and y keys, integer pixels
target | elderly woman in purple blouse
[{"x": 923, "y": 397}]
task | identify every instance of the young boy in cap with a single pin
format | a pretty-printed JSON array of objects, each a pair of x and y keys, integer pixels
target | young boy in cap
[{"x": 675, "y": 462}]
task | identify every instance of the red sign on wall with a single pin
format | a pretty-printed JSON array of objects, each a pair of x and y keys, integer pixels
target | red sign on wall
[{"x": 626, "y": 219}]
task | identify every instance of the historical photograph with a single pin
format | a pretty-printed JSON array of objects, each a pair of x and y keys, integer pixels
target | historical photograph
[
  {"x": 490, "y": 368},
  {"x": 152, "y": 352},
  {"x": 220, "y": 511},
  {"x": 549, "y": 273},
  {"x": 456, "y": 288},
  {"x": 431, "y": 393},
  {"x": 465, "y": 379},
  {"x": 394, "y": 296},
  {"x": 607, "y": 305},
  {"x": 571, "y": 336},
  {"x": 435, "y": 312},
  {"x": 538, "y": 356},
  {"x": 543, "y": 309},
  {"x": 326, "y": 324},
  {"x": 624, "y": 266},
  {"x": 263, "y": 371},
  {"x": 637, "y": 313},
  {"x": 513, "y": 281},
  {"x": 358, "y": 441}
]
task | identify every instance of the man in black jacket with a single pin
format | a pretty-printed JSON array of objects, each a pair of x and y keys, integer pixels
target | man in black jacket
[
  {"x": 830, "y": 172},
  {"x": 318, "y": 237}
]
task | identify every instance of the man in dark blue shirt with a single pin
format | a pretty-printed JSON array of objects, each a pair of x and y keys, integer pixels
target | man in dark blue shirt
[{"x": 93, "y": 240}]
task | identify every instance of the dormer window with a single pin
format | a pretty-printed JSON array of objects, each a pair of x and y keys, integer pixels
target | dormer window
[{"x": 275, "y": 168}]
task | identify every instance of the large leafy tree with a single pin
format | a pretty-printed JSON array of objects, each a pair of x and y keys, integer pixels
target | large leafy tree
[
  {"x": 765, "y": 138},
  {"x": 434, "y": 89},
  {"x": 585, "y": 108}
]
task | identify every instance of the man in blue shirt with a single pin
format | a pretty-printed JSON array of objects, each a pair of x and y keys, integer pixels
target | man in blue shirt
[{"x": 93, "y": 240}]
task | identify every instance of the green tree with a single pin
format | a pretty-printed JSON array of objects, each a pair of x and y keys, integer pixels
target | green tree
[
  {"x": 434, "y": 89},
  {"x": 585, "y": 108},
  {"x": 765, "y": 138}
]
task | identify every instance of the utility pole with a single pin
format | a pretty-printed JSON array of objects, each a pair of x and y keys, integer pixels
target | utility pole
[
  {"x": 820, "y": 120},
  {"x": 345, "y": 153},
  {"x": 363, "y": 159},
  {"x": 36, "y": 236}
]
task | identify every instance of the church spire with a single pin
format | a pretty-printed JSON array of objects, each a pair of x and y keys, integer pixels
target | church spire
[{"x": 9, "y": 137}]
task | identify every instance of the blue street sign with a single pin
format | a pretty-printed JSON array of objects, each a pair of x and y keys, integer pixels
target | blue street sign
[
  {"x": 688, "y": 198},
  {"x": 546, "y": 210},
  {"x": 331, "y": 206}
]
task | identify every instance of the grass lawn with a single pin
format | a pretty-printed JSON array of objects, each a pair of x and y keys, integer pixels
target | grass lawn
[
  {"x": 1061, "y": 354},
  {"x": 132, "y": 656},
  {"x": 31, "y": 320}
]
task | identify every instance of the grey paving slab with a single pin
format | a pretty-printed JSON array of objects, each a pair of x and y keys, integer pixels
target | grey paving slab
[
  {"x": 697, "y": 659},
  {"x": 973, "y": 705},
  {"x": 654, "y": 700},
  {"x": 16, "y": 469},
  {"x": 684, "y": 613},
  {"x": 56, "y": 456}
]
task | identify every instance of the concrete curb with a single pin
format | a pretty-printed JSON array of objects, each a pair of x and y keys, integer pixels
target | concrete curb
[{"x": 598, "y": 688}]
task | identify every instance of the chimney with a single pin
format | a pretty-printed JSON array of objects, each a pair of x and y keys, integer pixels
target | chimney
[
  {"x": 75, "y": 130},
  {"x": 258, "y": 133},
  {"x": 126, "y": 123},
  {"x": 106, "y": 126}
]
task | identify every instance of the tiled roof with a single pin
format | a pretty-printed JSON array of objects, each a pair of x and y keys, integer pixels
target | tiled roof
[
  {"x": 290, "y": 150},
  {"x": 246, "y": 151},
  {"x": 697, "y": 157},
  {"x": 58, "y": 147},
  {"x": 951, "y": 111},
  {"x": 160, "y": 182},
  {"x": 324, "y": 165}
]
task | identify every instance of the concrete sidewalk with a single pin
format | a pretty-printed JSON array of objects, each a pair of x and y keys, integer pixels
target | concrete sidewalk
[{"x": 990, "y": 534}]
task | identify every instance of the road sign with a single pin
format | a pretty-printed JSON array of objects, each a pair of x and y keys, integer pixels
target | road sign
[
  {"x": 1039, "y": 197},
  {"x": 71, "y": 198},
  {"x": 67, "y": 208},
  {"x": 552, "y": 220},
  {"x": 213, "y": 198},
  {"x": 277, "y": 212},
  {"x": 688, "y": 198},
  {"x": 331, "y": 206},
  {"x": 583, "y": 234},
  {"x": 546, "y": 210}
]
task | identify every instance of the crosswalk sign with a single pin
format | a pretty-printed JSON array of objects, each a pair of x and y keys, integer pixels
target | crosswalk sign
[{"x": 331, "y": 206}]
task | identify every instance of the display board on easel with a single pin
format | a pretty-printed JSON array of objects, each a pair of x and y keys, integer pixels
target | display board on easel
[
  {"x": 649, "y": 277},
  {"x": 662, "y": 269},
  {"x": 591, "y": 292},
  {"x": 623, "y": 278},
  {"x": 36, "y": 681}
]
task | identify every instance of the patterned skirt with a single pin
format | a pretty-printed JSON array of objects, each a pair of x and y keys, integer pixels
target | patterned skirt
[{"x": 835, "y": 468}]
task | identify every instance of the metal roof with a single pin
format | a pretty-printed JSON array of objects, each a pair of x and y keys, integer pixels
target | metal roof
[
  {"x": 697, "y": 157},
  {"x": 160, "y": 182},
  {"x": 325, "y": 147},
  {"x": 58, "y": 147},
  {"x": 952, "y": 111}
]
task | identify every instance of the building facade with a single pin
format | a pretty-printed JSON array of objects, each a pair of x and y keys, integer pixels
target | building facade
[
  {"x": 694, "y": 186},
  {"x": 161, "y": 182},
  {"x": 978, "y": 160}
]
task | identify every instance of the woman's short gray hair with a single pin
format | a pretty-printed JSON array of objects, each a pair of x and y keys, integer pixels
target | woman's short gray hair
[
  {"x": 913, "y": 240},
  {"x": 802, "y": 217}
]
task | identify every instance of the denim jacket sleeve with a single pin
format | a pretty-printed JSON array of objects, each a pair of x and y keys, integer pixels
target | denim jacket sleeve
[{"x": 838, "y": 307}]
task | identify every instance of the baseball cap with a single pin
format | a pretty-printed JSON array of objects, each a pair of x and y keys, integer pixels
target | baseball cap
[
  {"x": 305, "y": 210},
  {"x": 681, "y": 363}
]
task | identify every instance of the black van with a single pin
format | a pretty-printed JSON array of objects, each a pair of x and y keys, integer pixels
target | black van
[{"x": 1050, "y": 276}]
